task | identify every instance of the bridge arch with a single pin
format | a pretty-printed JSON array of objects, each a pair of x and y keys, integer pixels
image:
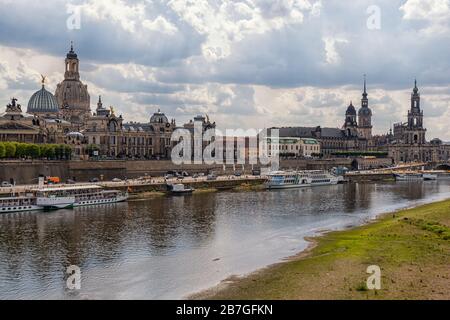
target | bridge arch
[{"x": 443, "y": 167}]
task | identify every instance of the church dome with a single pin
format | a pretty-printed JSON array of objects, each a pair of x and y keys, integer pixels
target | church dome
[
  {"x": 42, "y": 101},
  {"x": 159, "y": 117},
  {"x": 73, "y": 94},
  {"x": 351, "y": 111},
  {"x": 365, "y": 112}
]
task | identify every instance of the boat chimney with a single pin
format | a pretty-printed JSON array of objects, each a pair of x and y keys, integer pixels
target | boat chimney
[{"x": 41, "y": 182}]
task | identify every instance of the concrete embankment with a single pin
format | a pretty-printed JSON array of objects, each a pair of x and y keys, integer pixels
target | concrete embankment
[
  {"x": 27, "y": 171},
  {"x": 369, "y": 177},
  {"x": 223, "y": 183},
  {"x": 143, "y": 188}
]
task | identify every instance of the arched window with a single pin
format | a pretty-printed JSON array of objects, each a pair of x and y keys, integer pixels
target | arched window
[{"x": 112, "y": 126}]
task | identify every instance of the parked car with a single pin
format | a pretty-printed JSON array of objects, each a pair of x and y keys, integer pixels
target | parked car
[
  {"x": 6, "y": 184},
  {"x": 70, "y": 181},
  {"x": 237, "y": 174},
  {"x": 211, "y": 177},
  {"x": 116, "y": 180},
  {"x": 94, "y": 180}
]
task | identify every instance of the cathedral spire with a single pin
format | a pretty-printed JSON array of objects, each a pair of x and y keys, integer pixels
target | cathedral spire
[
  {"x": 365, "y": 88},
  {"x": 99, "y": 103}
]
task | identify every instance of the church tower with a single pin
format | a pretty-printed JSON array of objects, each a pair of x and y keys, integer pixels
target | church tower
[
  {"x": 365, "y": 116},
  {"x": 350, "y": 124},
  {"x": 415, "y": 133},
  {"x": 72, "y": 95}
]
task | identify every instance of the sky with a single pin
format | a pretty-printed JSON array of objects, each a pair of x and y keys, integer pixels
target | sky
[{"x": 245, "y": 63}]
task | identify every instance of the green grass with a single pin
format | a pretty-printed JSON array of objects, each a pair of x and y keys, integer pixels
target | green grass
[{"x": 412, "y": 248}]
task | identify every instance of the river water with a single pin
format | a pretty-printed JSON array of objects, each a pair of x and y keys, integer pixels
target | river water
[{"x": 170, "y": 247}]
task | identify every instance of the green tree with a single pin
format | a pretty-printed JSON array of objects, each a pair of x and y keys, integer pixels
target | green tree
[
  {"x": 49, "y": 151},
  {"x": 33, "y": 151},
  {"x": 67, "y": 152},
  {"x": 91, "y": 148},
  {"x": 10, "y": 150},
  {"x": 2, "y": 150},
  {"x": 21, "y": 150}
]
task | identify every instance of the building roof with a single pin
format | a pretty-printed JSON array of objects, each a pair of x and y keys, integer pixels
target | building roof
[
  {"x": 135, "y": 126},
  {"x": 365, "y": 111},
  {"x": 351, "y": 110},
  {"x": 42, "y": 101},
  {"x": 159, "y": 117},
  {"x": 311, "y": 132}
]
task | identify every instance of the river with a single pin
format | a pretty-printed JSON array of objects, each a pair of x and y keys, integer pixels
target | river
[{"x": 170, "y": 247}]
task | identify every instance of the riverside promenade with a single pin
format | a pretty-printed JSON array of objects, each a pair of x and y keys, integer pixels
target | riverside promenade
[{"x": 156, "y": 184}]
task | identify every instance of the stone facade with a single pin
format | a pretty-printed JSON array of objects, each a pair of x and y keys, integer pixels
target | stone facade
[
  {"x": 354, "y": 135},
  {"x": 66, "y": 117},
  {"x": 409, "y": 144}
]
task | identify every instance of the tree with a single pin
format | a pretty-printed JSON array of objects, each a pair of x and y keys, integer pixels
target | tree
[
  {"x": 10, "y": 150},
  {"x": 67, "y": 152},
  {"x": 48, "y": 151},
  {"x": 21, "y": 150},
  {"x": 33, "y": 151},
  {"x": 91, "y": 148},
  {"x": 2, "y": 150}
]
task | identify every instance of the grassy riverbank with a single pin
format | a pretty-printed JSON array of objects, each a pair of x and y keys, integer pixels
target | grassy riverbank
[{"x": 412, "y": 248}]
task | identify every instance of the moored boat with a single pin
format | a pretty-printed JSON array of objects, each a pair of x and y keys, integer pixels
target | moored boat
[
  {"x": 408, "y": 176},
  {"x": 83, "y": 195},
  {"x": 179, "y": 189},
  {"x": 300, "y": 179},
  {"x": 430, "y": 176},
  {"x": 19, "y": 204}
]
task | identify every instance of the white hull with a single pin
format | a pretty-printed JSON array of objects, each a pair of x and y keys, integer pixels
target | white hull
[
  {"x": 306, "y": 185},
  {"x": 83, "y": 203},
  {"x": 20, "y": 209},
  {"x": 408, "y": 178},
  {"x": 55, "y": 203},
  {"x": 288, "y": 186}
]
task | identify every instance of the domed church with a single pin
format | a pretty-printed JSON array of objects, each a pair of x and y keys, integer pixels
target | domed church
[
  {"x": 71, "y": 94},
  {"x": 43, "y": 103},
  {"x": 66, "y": 117}
]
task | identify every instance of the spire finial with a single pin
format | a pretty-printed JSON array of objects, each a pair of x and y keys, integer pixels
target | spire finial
[
  {"x": 71, "y": 46},
  {"x": 365, "y": 83},
  {"x": 415, "y": 86}
]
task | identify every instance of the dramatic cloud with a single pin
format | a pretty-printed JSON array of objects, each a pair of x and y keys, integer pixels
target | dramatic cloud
[{"x": 246, "y": 63}]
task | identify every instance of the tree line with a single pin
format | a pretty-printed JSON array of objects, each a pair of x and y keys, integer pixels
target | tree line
[{"x": 17, "y": 150}]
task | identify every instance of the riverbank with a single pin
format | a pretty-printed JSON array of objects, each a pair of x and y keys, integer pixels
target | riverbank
[{"x": 412, "y": 248}]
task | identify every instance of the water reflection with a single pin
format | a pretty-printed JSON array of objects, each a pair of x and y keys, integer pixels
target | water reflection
[{"x": 171, "y": 246}]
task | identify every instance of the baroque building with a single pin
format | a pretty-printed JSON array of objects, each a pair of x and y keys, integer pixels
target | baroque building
[
  {"x": 72, "y": 95},
  {"x": 409, "y": 144},
  {"x": 66, "y": 117},
  {"x": 365, "y": 117},
  {"x": 355, "y": 134}
]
